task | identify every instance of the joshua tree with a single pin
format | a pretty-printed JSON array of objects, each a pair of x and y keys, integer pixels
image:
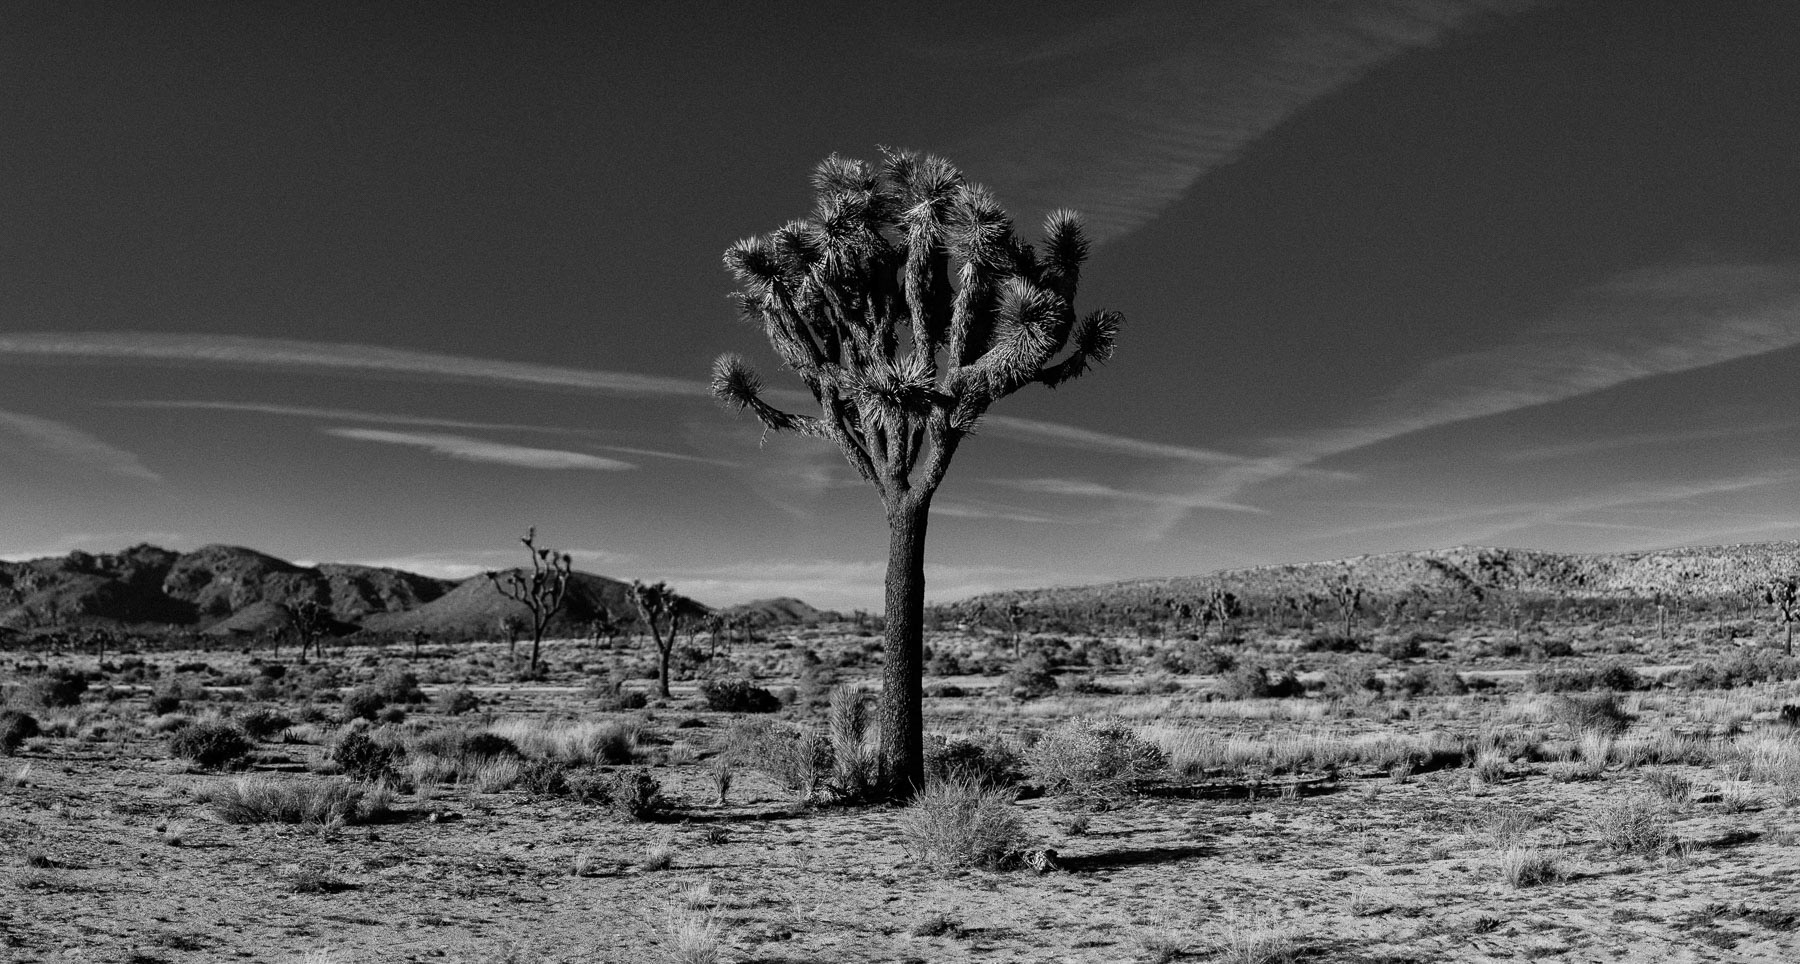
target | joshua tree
[
  {"x": 907, "y": 306},
  {"x": 1784, "y": 595},
  {"x": 310, "y": 621},
  {"x": 542, "y": 592},
  {"x": 657, "y": 604},
  {"x": 1349, "y": 599}
]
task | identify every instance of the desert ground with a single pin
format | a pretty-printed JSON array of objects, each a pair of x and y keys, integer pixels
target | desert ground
[{"x": 1627, "y": 794}]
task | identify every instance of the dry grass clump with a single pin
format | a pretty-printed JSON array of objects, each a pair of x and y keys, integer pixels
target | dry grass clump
[
  {"x": 488, "y": 761},
  {"x": 1665, "y": 746},
  {"x": 262, "y": 799},
  {"x": 963, "y": 823},
  {"x": 693, "y": 936},
  {"x": 1257, "y": 940},
  {"x": 1635, "y": 826},
  {"x": 1768, "y": 757},
  {"x": 1527, "y": 866},
  {"x": 1192, "y": 751},
  {"x": 582, "y": 743}
]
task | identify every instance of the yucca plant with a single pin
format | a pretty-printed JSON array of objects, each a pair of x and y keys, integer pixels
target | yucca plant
[{"x": 908, "y": 306}]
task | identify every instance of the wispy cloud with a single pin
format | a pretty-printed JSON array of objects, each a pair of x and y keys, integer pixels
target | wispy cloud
[
  {"x": 239, "y": 351},
  {"x": 1171, "y": 89},
  {"x": 1059, "y": 435},
  {"x": 1587, "y": 447},
  {"x": 339, "y": 414},
  {"x": 1087, "y": 489},
  {"x": 478, "y": 450},
  {"x": 1646, "y": 324},
  {"x": 384, "y": 418},
  {"x": 965, "y": 510},
  {"x": 1683, "y": 509},
  {"x": 70, "y": 444}
]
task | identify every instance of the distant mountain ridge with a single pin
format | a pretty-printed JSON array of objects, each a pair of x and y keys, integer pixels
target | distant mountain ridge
[
  {"x": 225, "y": 590},
  {"x": 1460, "y": 572}
]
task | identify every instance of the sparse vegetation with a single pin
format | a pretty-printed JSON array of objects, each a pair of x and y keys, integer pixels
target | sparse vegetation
[
  {"x": 211, "y": 746},
  {"x": 962, "y": 823},
  {"x": 314, "y": 800}
]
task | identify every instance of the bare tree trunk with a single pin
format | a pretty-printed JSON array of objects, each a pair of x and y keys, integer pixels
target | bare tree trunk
[{"x": 902, "y": 718}]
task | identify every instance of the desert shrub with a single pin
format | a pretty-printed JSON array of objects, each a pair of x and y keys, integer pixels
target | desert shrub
[
  {"x": 261, "y": 799},
  {"x": 1410, "y": 646},
  {"x": 1092, "y": 758},
  {"x": 363, "y": 757},
  {"x": 1254, "y": 682},
  {"x": 1431, "y": 681},
  {"x": 1635, "y": 826},
  {"x": 1333, "y": 643},
  {"x": 738, "y": 696},
  {"x": 166, "y": 700},
  {"x": 943, "y": 663},
  {"x": 397, "y": 684},
  {"x": 55, "y": 689},
  {"x": 212, "y": 746},
  {"x": 795, "y": 757},
  {"x": 1742, "y": 668},
  {"x": 1525, "y": 866},
  {"x": 1594, "y": 713},
  {"x": 633, "y": 794},
  {"x": 1349, "y": 678},
  {"x": 464, "y": 743},
  {"x": 261, "y": 724},
  {"x": 1608, "y": 676},
  {"x": 962, "y": 823},
  {"x": 16, "y": 726},
  {"x": 457, "y": 700},
  {"x": 991, "y": 762},
  {"x": 1029, "y": 679},
  {"x": 1202, "y": 659},
  {"x": 544, "y": 778},
  {"x": 364, "y": 703},
  {"x": 1089, "y": 686}
]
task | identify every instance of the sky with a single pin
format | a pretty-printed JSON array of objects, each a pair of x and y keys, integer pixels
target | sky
[{"x": 390, "y": 283}]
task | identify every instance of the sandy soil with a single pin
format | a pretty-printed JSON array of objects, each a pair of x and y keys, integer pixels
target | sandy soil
[{"x": 112, "y": 859}]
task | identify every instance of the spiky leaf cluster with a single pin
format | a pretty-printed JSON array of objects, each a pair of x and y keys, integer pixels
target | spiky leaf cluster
[{"x": 907, "y": 305}]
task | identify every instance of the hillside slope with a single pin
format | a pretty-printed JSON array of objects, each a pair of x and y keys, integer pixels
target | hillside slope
[{"x": 1465, "y": 573}]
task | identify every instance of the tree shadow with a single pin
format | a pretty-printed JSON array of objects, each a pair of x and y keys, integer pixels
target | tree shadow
[
  {"x": 756, "y": 816},
  {"x": 1228, "y": 790},
  {"x": 1143, "y": 856}
]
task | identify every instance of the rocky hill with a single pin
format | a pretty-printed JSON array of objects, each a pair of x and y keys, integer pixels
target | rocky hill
[
  {"x": 229, "y": 590},
  {"x": 1461, "y": 574},
  {"x": 782, "y": 611}
]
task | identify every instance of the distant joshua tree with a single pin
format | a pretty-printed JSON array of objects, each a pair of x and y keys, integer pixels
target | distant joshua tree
[
  {"x": 1349, "y": 599},
  {"x": 907, "y": 306},
  {"x": 657, "y": 606},
  {"x": 1784, "y": 595},
  {"x": 541, "y": 592},
  {"x": 310, "y": 621}
]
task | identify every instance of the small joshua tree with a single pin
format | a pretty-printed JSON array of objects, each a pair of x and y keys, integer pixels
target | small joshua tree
[
  {"x": 907, "y": 306},
  {"x": 310, "y": 621},
  {"x": 659, "y": 606},
  {"x": 1349, "y": 599},
  {"x": 541, "y": 592},
  {"x": 1784, "y": 595}
]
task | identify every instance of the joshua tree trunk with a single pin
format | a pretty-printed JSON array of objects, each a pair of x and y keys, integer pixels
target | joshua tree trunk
[{"x": 902, "y": 722}]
